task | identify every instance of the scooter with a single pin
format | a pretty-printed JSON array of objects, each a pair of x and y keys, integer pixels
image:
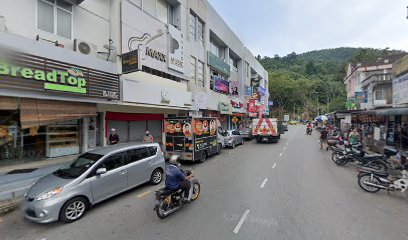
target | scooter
[
  {"x": 169, "y": 201},
  {"x": 309, "y": 131},
  {"x": 373, "y": 181}
]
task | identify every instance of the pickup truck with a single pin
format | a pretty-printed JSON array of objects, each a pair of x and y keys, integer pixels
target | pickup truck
[{"x": 266, "y": 130}]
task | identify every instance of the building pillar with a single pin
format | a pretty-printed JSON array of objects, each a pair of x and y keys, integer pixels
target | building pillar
[{"x": 85, "y": 134}]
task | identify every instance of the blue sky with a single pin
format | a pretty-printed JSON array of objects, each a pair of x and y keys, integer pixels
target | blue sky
[{"x": 269, "y": 27}]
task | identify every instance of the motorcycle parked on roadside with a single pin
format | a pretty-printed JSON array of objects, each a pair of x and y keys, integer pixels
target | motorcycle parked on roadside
[
  {"x": 355, "y": 152},
  {"x": 373, "y": 181},
  {"x": 169, "y": 201}
]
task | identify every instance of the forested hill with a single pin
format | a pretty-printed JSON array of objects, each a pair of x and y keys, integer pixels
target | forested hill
[{"x": 302, "y": 83}]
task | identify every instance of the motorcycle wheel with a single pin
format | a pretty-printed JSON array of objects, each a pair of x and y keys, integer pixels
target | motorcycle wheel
[
  {"x": 342, "y": 162},
  {"x": 380, "y": 166},
  {"x": 160, "y": 210},
  {"x": 335, "y": 157},
  {"x": 196, "y": 191},
  {"x": 367, "y": 178}
]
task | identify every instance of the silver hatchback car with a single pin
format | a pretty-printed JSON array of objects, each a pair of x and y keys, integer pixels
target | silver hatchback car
[{"x": 94, "y": 176}]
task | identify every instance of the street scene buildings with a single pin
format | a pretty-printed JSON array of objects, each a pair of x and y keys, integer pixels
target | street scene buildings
[{"x": 90, "y": 66}]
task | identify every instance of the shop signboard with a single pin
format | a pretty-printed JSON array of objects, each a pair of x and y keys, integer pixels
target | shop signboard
[
  {"x": 251, "y": 106},
  {"x": 218, "y": 64},
  {"x": 176, "y": 61},
  {"x": 248, "y": 91},
  {"x": 262, "y": 91},
  {"x": 221, "y": 85},
  {"x": 270, "y": 103},
  {"x": 225, "y": 108},
  {"x": 234, "y": 88},
  {"x": 237, "y": 103},
  {"x": 360, "y": 97},
  {"x": 130, "y": 62},
  {"x": 400, "y": 90},
  {"x": 56, "y": 78}
]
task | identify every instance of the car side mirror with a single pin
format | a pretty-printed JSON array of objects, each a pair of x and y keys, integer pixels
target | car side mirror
[{"x": 101, "y": 171}]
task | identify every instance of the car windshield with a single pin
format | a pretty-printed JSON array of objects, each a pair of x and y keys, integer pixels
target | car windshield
[{"x": 78, "y": 166}]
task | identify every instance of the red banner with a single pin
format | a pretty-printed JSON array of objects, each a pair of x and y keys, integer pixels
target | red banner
[{"x": 251, "y": 106}]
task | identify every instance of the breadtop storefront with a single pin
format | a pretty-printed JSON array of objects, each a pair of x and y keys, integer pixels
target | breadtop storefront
[{"x": 48, "y": 107}]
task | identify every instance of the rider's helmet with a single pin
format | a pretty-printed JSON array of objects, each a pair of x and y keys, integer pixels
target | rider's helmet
[{"x": 174, "y": 160}]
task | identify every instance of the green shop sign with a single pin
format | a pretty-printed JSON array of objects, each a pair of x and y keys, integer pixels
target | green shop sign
[
  {"x": 71, "y": 80},
  {"x": 219, "y": 64}
]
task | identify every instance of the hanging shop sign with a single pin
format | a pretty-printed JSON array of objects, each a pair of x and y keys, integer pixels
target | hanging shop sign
[
  {"x": 400, "y": 90},
  {"x": 251, "y": 106},
  {"x": 224, "y": 108},
  {"x": 220, "y": 85},
  {"x": 130, "y": 62},
  {"x": 56, "y": 78},
  {"x": 218, "y": 64},
  {"x": 234, "y": 88},
  {"x": 248, "y": 91},
  {"x": 360, "y": 97},
  {"x": 262, "y": 91}
]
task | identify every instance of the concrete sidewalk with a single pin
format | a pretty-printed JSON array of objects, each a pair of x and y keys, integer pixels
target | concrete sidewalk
[{"x": 15, "y": 185}]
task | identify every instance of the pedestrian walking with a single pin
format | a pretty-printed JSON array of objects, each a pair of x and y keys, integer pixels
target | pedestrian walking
[
  {"x": 323, "y": 138},
  {"x": 113, "y": 137},
  {"x": 148, "y": 138}
]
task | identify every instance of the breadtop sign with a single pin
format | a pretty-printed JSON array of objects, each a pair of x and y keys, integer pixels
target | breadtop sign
[{"x": 71, "y": 80}]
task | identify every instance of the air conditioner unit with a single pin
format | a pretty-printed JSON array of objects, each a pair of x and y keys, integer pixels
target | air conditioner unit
[
  {"x": 85, "y": 48},
  {"x": 2, "y": 24}
]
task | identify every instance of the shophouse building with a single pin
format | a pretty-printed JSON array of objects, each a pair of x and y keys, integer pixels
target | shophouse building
[{"x": 73, "y": 69}]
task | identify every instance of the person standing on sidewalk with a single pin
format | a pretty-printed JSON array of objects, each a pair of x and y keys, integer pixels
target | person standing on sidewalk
[
  {"x": 323, "y": 138},
  {"x": 148, "y": 138},
  {"x": 113, "y": 137}
]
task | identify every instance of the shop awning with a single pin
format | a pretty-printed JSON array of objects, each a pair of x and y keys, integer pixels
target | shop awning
[
  {"x": 38, "y": 112},
  {"x": 392, "y": 111},
  {"x": 8, "y": 103}
]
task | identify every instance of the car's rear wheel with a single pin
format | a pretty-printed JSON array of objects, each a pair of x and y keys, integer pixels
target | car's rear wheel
[
  {"x": 233, "y": 145},
  {"x": 73, "y": 209},
  {"x": 157, "y": 177},
  {"x": 242, "y": 142},
  {"x": 219, "y": 150}
]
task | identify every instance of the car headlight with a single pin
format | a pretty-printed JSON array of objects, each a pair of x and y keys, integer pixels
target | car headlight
[{"x": 49, "y": 194}]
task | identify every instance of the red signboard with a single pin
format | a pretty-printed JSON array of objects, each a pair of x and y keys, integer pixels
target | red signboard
[{"x": 251, "y": 106}]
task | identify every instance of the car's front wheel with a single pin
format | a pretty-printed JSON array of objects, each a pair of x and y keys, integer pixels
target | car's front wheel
[
  {"x": 157, "y": 177},
  {"x": 73, "y": 209}
]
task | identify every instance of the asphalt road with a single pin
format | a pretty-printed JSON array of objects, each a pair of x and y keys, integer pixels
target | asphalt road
[{"x": 289, "y": 190}]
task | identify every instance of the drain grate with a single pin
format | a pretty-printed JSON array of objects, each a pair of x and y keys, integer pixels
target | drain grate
[{"x": 27, "y": 170}]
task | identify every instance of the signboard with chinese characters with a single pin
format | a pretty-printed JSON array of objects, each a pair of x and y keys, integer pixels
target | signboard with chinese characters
[
  {"x": 234, "y": 88},
  {"x": 248, "y": 91},
  {"x": 224, "y": 108}
]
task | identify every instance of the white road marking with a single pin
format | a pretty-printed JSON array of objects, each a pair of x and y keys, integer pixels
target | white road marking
[
  {"x": 264, "y": 182},
  {"x": 143, "y": 194},
  {"x": 241, "y": 221},
  {"x": 274, "y": 165},
  {"x": 287, "y": 144},
  {"x": 280, "y": 154},
  {"x": 284, "y": 148}
]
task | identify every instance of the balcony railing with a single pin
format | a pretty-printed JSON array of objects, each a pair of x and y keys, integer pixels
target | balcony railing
[{"x": 377, "y": 78}]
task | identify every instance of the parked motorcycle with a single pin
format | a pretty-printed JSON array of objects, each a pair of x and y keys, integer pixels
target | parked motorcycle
[
  {"x": 355, "y": 152},
  {"x": 169, "y": 201},
  {"x": 373, "y": 181}
]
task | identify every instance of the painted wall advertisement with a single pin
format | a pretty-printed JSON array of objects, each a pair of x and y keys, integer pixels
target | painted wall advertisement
[
  {"x": 400, "y": 90},
  {"x": 176, "y": 61},
  {"x": 149, "y": 38}
]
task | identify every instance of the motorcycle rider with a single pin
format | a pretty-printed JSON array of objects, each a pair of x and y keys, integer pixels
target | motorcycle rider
[
  {"x": 176, "y": 178},
  {"x": 309, "y": 127}
]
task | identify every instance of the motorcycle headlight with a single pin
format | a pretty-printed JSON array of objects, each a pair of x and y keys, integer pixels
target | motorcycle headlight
[{"x": 49, "y": 194}]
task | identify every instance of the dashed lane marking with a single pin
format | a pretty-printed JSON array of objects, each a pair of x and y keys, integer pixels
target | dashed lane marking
[
  {"x": 280, "y": 154},
  {"x": 274, "y": 165},
  {"x": 264, "y": 182},
  {"x": 284, "y": 148},
  {"x": 241, "y": 221},
  {"x": 143, "y": 194}
]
